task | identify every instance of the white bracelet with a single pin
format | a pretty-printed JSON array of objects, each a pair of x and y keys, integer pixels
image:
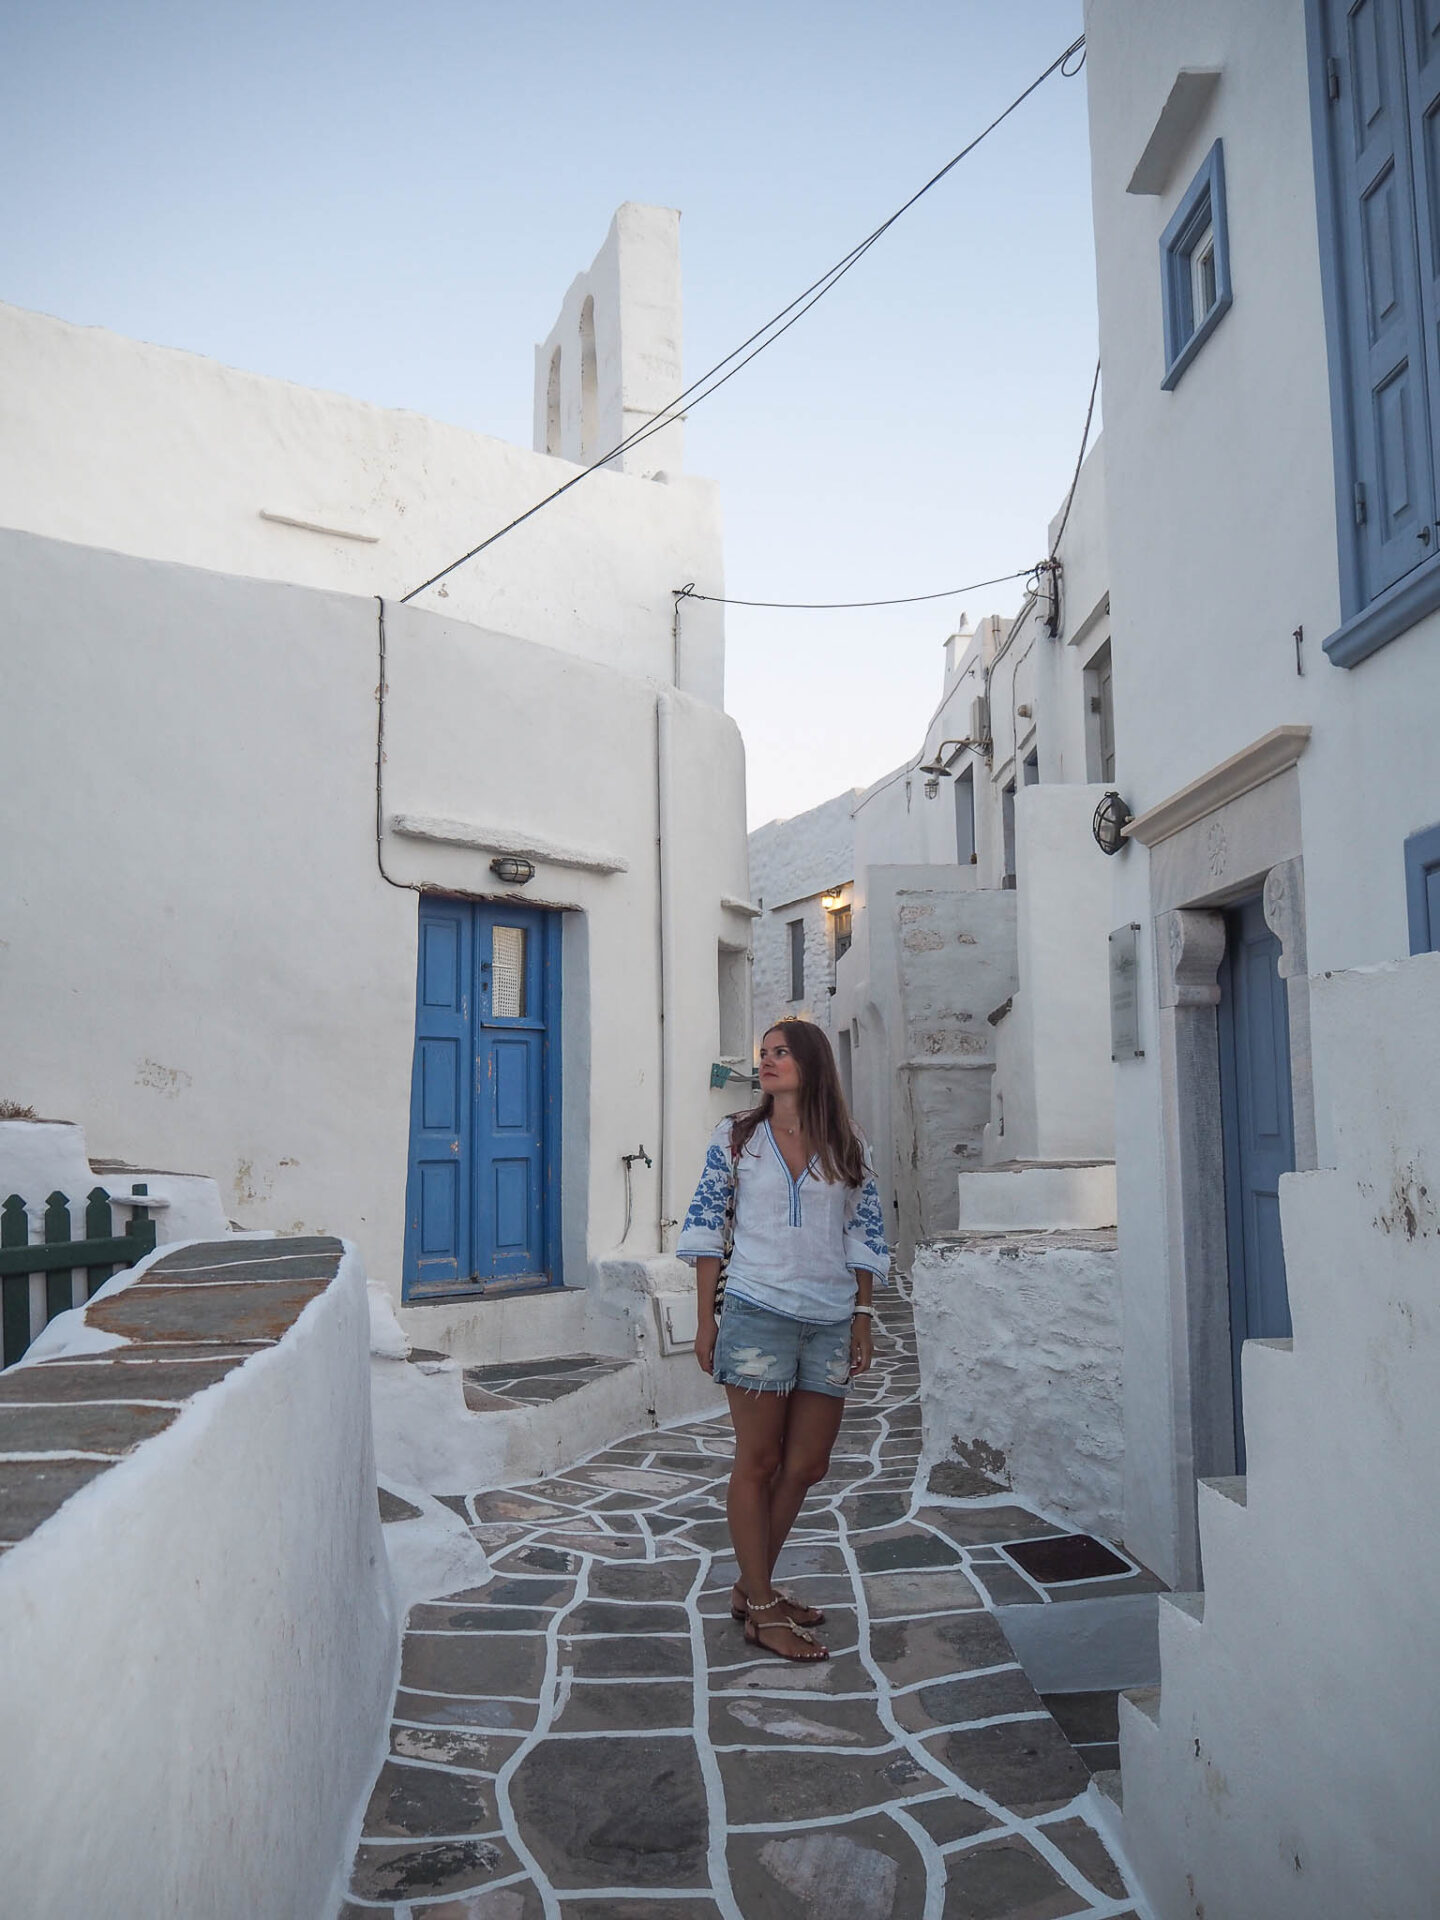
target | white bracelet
[{"x": 869, "y": 1312}]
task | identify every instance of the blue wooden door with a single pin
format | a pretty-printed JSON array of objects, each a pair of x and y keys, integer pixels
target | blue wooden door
[
  {"x": 1259, "y": 1127},
  {"x": 482, "y": 1191}
]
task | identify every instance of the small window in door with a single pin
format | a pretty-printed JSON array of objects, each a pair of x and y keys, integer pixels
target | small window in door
[{"x": 507, "y": 985}]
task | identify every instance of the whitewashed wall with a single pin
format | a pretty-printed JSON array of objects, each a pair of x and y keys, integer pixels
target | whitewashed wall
[
  {"x": 199, "y": 1650},
  {"x": 1052, "y": 1092}
]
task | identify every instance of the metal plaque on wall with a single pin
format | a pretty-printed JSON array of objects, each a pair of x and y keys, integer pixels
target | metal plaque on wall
[{"x": 1125, "y": 993}]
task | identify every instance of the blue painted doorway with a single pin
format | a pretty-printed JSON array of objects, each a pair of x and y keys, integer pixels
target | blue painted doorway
[
  {"x": 482, "y": 1194},
  {"x": 1258, "y": 1121}
]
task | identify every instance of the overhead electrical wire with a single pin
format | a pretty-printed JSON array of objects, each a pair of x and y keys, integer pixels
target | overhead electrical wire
[
  {"x": 763, "y": 337},
  {"x": 832, "y": 606},
  {"x": 1079, "y": 463}
]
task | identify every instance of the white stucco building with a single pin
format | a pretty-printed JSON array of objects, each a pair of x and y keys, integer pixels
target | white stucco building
[
  {"x": 253, "y": 797},
  {"x": 1262, "y": 196}
]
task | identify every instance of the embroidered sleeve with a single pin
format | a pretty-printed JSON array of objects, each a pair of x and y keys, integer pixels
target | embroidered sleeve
[
  {"x": 865, "y": 1243},
  {"x": 704, "y": 1230}
]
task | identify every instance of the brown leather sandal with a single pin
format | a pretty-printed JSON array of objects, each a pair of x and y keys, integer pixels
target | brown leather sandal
[
  {"x": 801, "y": 1614},
  {"x": 754, "y": 1627}
]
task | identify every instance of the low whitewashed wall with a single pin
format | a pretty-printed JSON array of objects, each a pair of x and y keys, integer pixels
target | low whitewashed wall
[
  {"x": 39, "y": 1157},
  {"x": 198, "y": 1651},
  {"x": 1019, "y": 1339}
]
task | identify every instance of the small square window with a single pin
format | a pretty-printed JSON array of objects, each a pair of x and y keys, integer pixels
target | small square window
[{"x": 1195, "y": 267}]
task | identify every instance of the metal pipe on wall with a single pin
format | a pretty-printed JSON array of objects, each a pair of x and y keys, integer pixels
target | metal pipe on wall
[{"x": 664, "y": 893}]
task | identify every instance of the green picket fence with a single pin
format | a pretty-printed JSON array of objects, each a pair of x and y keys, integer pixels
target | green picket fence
[{"x": 60, "y": 1256}]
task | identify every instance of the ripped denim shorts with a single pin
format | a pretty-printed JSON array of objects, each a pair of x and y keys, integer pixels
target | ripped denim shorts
[{"x": 765, "y": 1352}]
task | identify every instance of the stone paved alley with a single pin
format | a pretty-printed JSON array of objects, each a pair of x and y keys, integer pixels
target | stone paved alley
[{"x": 587, "y": 1736}]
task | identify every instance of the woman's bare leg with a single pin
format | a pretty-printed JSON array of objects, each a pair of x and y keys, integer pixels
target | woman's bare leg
[
  {"x": 760, "y": 1421},
  {"x": 812, "y": 1420}
]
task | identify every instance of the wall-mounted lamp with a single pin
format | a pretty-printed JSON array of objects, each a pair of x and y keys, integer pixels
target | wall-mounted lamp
[
  {"x": 939, "y": 768},
  {"x": 832, "y": 901},
  {"x": 514, "y": 872},
  {"x": 1112, "y": 816}
]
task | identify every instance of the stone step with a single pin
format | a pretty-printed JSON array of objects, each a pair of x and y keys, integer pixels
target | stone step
[
  {"x": 1111, "y": 1784},
  {"x": 1187, "y": 1606},
  {"x": 1228, "y": 1487}
]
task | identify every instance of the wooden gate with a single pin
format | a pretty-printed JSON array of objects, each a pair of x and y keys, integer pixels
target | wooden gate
[{"x": 60, "y": 1258}]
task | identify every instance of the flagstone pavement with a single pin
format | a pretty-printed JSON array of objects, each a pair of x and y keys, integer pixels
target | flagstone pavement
[{"x": 588, "y": 1737}]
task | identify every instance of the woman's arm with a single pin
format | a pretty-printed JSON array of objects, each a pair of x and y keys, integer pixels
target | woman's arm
[
  {"x": 862, "y": 1327},
  {"x": 707, "y": 1274}
]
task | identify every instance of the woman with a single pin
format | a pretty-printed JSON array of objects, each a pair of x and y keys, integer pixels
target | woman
[{"x": 809, "y": 1240}]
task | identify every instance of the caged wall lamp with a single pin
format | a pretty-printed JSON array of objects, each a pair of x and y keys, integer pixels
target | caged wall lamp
[
  {"x": 1112, "y": 816},
  {"x": 513, "y": 871},
  {"x": 938, "y": 769}
]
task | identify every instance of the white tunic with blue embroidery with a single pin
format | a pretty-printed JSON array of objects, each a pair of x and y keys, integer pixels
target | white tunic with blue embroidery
[{"x": 798, "y": 1243}]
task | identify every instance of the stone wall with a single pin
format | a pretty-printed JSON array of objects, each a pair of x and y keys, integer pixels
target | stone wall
[
  {"x": 933, "y": 956},
  {"x": 1019, "y": 1340}
]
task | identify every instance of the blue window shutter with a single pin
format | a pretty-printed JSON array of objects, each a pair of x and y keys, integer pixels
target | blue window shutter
[
  {"x": 1392, "y": 487},
  {"x": 1422, "y": 889},
  {"x": 1422, "y": 63}
]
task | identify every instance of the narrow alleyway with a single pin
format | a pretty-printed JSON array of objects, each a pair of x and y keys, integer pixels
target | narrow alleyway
[{"x": 587, "y": 1736}]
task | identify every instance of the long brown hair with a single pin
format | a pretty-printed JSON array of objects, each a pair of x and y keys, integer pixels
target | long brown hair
[{"x": 823, "y": 1112}]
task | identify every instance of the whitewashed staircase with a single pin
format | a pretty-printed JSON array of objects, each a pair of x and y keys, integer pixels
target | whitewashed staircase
[{"x": 1287, "y": 1768}]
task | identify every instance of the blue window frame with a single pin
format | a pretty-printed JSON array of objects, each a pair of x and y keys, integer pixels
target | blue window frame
[
  {"x": 1195, "y": 267},
  {"x": 1422, "y": 889},
  {"x": 1375, "y": 93}
]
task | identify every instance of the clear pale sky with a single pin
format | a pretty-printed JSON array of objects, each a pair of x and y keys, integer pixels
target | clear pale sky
[{"x": 390, "y": 201}]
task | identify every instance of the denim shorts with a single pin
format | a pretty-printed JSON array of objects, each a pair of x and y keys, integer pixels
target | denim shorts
[{"x": 765, "y": 1352}]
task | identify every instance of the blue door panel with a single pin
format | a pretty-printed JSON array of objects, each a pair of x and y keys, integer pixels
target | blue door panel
[
  {"x": 442, "y": 943},
  {"x": 439, "y": 1209},
  {"x": 440, "y": 1086},
  {"x": 1259, "y": 1129},
  {"x": 512, "y": 1207},
  {"x": 482, "y": 1198},
  {"x": 514, "y": 1111}
]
